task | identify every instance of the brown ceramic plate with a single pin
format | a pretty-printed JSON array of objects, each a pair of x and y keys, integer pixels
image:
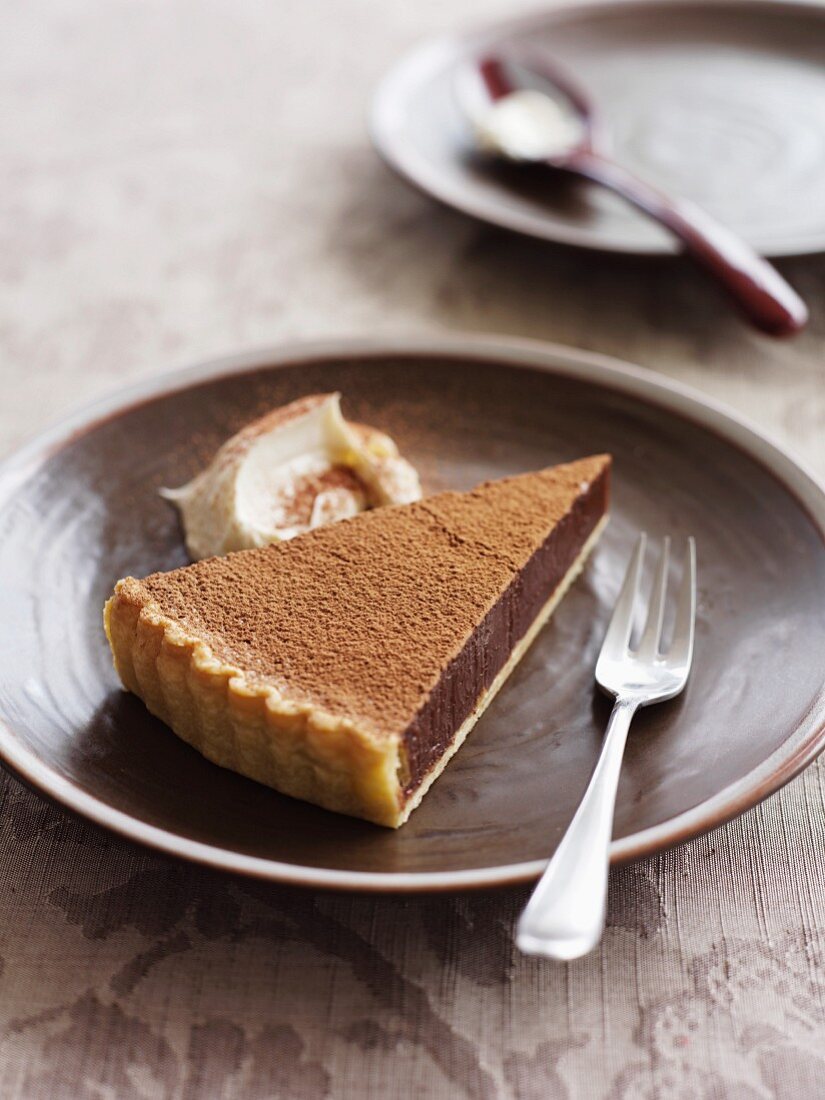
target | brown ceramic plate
[
  {"x": 721, "y": 101},
  {"x": 79, "y": 508}
]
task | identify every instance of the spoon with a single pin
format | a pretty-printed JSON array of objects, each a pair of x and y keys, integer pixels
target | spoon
[{"x": 558, "y": 126}]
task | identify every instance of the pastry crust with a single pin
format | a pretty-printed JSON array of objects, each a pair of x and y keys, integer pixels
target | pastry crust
[
  {"x": 245, "y": 726},
  {"x": 249, "y": 727}
]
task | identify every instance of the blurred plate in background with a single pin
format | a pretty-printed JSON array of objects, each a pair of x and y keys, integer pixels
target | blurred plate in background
[{"x": 721, "y": 102}]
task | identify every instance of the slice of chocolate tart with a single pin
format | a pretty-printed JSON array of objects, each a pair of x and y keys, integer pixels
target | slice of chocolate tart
[{"x": 346, "y": 666}]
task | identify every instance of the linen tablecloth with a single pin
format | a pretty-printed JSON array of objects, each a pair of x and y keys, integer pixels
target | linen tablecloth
[{"x": 184, "y": 179}]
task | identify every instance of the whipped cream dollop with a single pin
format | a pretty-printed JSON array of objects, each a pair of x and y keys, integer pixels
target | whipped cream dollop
[{"x": 298, "y": 467}]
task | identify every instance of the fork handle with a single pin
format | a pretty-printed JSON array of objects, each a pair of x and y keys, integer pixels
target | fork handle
[{"x": 566, "y": 913}]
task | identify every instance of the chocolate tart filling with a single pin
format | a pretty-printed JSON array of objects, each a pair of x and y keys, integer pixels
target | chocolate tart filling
[{"x": 472, "y": 672}]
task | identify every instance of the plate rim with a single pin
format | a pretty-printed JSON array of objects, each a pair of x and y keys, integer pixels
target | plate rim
[
  {"x": 429, "y": 51},
  {"x": 787, "y": 761}
]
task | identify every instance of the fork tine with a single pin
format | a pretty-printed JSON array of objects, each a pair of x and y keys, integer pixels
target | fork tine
[
  {"x": 681, "y": 651},
  {"x": 649, "y": 643},
  {"x": 621, "y": 623}
]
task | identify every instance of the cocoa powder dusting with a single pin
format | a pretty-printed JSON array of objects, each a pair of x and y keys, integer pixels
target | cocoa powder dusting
[
  {"x": 293, "y": 507},
  {"x": 361, "y": 617}
]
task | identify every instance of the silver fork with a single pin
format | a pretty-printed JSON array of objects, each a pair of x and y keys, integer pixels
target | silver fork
[{"x": 565, "y": 915}]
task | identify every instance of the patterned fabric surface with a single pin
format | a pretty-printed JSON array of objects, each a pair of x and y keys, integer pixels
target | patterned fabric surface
[{"x": 182, "y": 179}]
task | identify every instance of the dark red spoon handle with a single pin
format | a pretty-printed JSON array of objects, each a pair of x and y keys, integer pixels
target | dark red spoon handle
[{"x": 754, "y": 284}]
